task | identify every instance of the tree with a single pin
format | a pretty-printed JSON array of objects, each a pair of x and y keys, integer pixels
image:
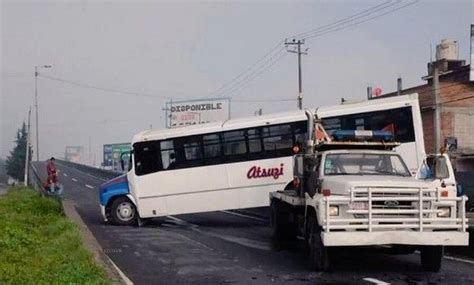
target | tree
[{"x": 16, "y": 161}]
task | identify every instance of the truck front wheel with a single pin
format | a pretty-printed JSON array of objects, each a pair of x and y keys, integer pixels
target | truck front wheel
[
  {"x": 318, "y": 255},
  {"x": 123, "y": 212},
  {"x": 431, "y": 257}
]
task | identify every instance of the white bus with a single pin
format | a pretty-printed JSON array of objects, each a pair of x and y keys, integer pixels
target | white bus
[{"x": 235, "y": 164}]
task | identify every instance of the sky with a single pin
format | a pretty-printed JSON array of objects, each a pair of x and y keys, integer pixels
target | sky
[{"x": 154, "y": 51}]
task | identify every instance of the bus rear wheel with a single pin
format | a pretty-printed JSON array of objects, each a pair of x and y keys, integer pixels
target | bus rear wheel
[{"x": 123, "y": 212}]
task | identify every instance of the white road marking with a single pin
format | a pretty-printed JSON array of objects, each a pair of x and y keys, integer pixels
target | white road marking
[
  {"x": 468, "y": 261},
  {"x": 375, "y": 281},
  {"x": 459, "y": 259},
  {"x": 65, "y": 174},
  {"x": 245, "y": 216},
  {"x": 74, "y": 179},
  {"x": 85, "y": 173},
  {"x": 181, "y": 222},
  {"x": 124, "y": 277},
  {"x": 89, "y": 186}
]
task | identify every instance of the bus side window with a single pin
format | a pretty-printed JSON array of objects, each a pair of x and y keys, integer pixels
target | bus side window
[
  {"x": 277, "y": 137},
  {"x": 147, "y": 158},
  {"x": 299, "y": 130},
  {"x": 168, "y": 156},
  {"x": 211, "y": 145},
  {"x": 254, "y": 140},
  {"x": 234, "y": 143}
]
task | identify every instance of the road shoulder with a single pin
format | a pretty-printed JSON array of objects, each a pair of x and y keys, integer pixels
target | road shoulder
[{"x": 113, "y": 272}]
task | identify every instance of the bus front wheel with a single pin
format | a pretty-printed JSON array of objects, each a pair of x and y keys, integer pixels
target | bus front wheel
[{"x": 123, "y": 212}]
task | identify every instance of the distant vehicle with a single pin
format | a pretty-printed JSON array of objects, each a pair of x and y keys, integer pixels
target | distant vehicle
[
  {"x": 237, "y": 163},
  {"x": 357, "y": 191}
]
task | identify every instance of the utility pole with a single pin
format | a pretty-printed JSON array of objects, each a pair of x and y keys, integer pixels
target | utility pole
[
  {"x": 27, "y": 160},
  {"x": 298, "y": 51},
  {"x": 36, "y": 107},
  {"x": 437, "y": 108},
  {"x": 36, "y": 111},
  {"x": 399, "y": 85}
]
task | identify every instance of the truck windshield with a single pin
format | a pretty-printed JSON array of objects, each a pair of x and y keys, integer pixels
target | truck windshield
[{"x": 365, "y": 164}]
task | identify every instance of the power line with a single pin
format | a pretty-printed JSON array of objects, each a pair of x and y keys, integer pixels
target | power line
[
  {"x": 83, "y": 85},
  {"x": 342, "y": 27},
  {"x": 348, "y": 19},
  {"x": 231, "y": 82},
  {"x": 256, "y": 73},
  {"x": 236, "y": 84},
  {"x": 263, "y": 100}
]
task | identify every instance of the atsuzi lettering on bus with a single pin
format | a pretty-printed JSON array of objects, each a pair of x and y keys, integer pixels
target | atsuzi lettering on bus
[{"x": 259, "y": 172}]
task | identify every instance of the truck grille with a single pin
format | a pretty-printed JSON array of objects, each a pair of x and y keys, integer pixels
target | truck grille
[{"x": 399, "y": 202}]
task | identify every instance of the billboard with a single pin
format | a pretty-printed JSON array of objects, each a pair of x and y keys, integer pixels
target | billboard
[
  {"x": 113, "y": 153},
  {"x": 73, "y": 154},
  {"x": 194, "y": 112},
  {"x": 471, "y": 73}
]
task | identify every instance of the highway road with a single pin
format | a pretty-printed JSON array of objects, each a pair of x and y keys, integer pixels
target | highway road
[{"x": 230, "y": 247}]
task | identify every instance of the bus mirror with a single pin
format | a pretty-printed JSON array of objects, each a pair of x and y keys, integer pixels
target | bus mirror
[{"x": 122, "y": 164}]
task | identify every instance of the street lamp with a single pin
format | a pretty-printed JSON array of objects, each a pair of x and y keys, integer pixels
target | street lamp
[{"x": 36, "y": 106}]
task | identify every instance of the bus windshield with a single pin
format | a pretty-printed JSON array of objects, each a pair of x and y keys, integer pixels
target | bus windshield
[{"x": 365, "y": 164}]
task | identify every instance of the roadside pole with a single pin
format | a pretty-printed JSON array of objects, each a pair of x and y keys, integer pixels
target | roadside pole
[
  {"x": 299, "y": 53},
  {"x": 27, "y": 156},
  {"x": 437, "y": 110}
]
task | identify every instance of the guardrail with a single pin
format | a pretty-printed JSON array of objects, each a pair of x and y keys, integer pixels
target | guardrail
[
  {"x": 34, "y": 179},
  {"x": 101, "y": 173}
]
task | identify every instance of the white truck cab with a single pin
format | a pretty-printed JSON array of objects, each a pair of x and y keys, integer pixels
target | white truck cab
[{"x": 361, "y": 193}]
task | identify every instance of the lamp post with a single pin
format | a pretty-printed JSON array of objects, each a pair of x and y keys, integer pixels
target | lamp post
[{"x": 36, "y": 106}]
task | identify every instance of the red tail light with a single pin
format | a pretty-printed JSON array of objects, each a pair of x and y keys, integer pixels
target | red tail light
[
  {"x": 444, "y": 193},
  {"x": 326, "y": 192}
]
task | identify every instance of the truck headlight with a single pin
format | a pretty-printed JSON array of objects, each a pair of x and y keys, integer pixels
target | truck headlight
[
  {"x": 333, "y": 210},
  {"x": 444, "y": 212}
]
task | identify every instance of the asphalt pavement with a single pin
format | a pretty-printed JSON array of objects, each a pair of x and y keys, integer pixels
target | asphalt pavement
[{"x": 232, "y": 247}]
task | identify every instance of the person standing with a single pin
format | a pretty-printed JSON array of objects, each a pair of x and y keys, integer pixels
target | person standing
[{"x": 52, "y": 175}]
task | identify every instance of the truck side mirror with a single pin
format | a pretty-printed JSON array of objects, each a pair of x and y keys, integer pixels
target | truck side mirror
[
  {"x": 441, "y": 168},
  {"x": 298, "y": 169},
  {"x": 460, "y": 189}
]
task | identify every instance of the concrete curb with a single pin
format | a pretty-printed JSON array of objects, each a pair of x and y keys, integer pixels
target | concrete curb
[{"x": 115, "y": 275}]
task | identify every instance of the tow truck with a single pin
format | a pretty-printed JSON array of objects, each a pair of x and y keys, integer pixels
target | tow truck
[{"x": 351, "y": 188}]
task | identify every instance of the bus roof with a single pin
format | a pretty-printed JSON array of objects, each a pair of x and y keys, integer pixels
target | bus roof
[
  {"x": 347, "y": 108},
  {"x": 277, "y": 118},
  {"x": 232, "y": 124}
]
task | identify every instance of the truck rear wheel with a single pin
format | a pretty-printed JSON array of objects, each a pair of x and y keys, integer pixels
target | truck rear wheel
[
  {"x": 282, "y": 228},
  {"x": 123, "y": 212},
  {"x": 431, "y": 257},
  {"x": 318, "y": 255}
]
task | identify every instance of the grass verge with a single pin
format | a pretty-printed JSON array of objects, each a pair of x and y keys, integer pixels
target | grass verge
[{"x": 38, "y": 244}]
